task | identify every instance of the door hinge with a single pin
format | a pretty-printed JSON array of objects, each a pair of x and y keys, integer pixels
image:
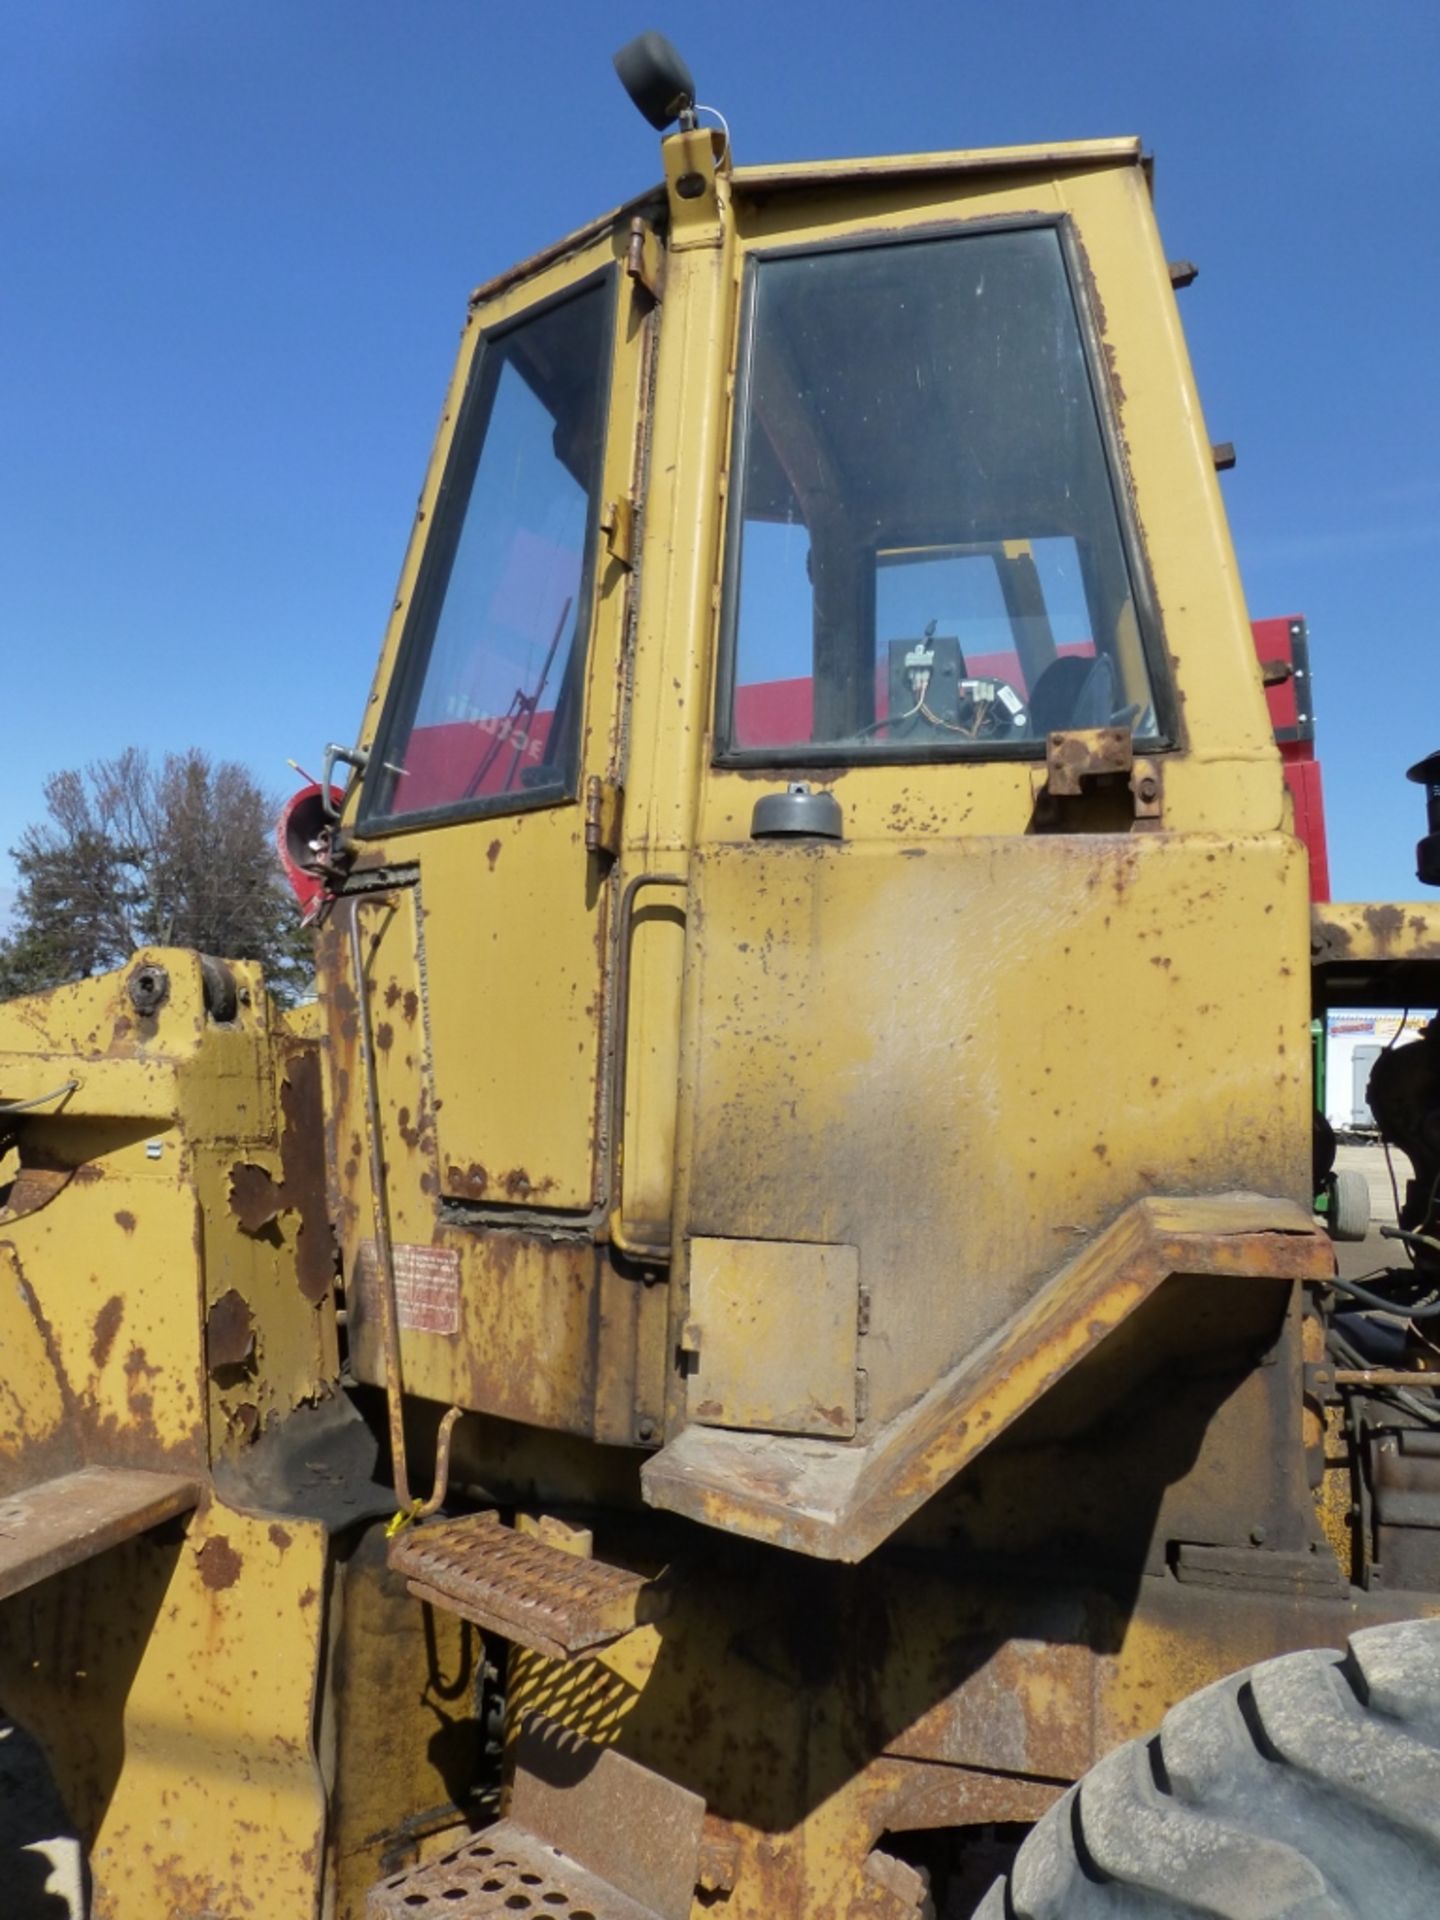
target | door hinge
[
  {"x": 617, "y": 523},
  {"x": 642, "y": 257},
  {"x": 604, "y": 805}
]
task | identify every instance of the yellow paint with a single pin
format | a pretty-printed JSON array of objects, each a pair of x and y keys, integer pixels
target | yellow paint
[
  {"x": 120, "y": 1267},
  {"x": 172, "y": 1678},
  {"x": 964, "y": 1063},
  {"x": 772, "y": 1335},
  {"x": 221, "y": 1799},
  {"x": 518, "y": 1118},
  {"x": 32, "y": 1401}
]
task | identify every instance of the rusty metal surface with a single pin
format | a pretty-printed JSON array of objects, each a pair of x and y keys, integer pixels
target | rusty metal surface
[
  {"x": 1085, "y": 754},
  {"x": 625, "y": 1823},
  {"x": 46, "y": 1528},
  {"x": 124, "y": 1245},
  {"x": 643, "y": 206},
  {"x": 1022, "y": 1682},
  {"x": 1371, "y": 954},
  {"x": 1058, "y": 155},
  {"x": 270, "y": 1260},
  {"x": 1228, "y": 1568},
  {"x": 514, "y": 1584},
  {"x": 229, "y": 1331},
  {"x": 1386, "y": 1377},
  {"x": 1187, "y": 1423},
  {"x": 645, "y": 258},
  {"x": 840, "y": 1502},
  {"x": 537, "y": 1325},
  {"x": 1038, "y": 1049},
  {"x": 919, "y": 1793},
  {"x": 505, "y": 1873}
]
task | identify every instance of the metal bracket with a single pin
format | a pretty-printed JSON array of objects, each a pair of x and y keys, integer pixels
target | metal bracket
[
  {"x": 1084, "y": 753},
  {"x": 1091, "y": 753},
  {"x": 357, "y": 758}
]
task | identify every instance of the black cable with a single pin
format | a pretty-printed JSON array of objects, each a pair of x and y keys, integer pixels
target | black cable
[
  {"x": 1378, "y": 1304},
  {"x": 1411, "y": 1239}
]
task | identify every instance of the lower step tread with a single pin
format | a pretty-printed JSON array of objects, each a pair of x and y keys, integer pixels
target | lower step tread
[
  {"x": 505, "y": 1873},
  {"x": 518, "y": 1586}
]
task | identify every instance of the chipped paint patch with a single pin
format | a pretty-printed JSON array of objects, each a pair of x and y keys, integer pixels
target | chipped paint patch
[
  {"x": 107, "y": 1325},
  {"x": 219, "y": 1563}
]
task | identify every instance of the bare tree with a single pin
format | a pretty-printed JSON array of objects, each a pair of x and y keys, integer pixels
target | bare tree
[{"x": 136, "y": 854}]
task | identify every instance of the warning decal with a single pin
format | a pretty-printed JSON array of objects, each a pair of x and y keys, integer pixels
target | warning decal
[{"x": 427, "y": 1286}]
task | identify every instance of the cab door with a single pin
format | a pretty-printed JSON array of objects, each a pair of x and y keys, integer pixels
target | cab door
[
  {"x": 941, "y": 1025},
  {"x": 500, "y": 729}
]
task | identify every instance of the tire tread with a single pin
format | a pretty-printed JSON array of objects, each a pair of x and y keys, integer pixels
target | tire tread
[{"x": 1305, "y": 1788}]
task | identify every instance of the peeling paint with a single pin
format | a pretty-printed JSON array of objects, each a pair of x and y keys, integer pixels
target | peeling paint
[{"x": 219, "y": 1563}]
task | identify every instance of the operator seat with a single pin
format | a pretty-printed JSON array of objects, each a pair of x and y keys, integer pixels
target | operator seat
[{"x": 1073, "y": 691}]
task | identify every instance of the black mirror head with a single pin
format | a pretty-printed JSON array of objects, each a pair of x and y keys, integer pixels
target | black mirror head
[
  {"x": 656, "y": 78},
  {"x": 1426, "y": 773}
]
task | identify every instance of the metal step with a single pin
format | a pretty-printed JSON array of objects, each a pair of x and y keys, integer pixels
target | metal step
[
  {"x": 520, "y": 1587},
  {"x": 507, "y": 1872},
  {"x": 57, "y": 1523}
]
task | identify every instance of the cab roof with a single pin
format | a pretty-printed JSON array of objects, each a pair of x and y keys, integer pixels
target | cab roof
[{"x": 791, "y": 175}]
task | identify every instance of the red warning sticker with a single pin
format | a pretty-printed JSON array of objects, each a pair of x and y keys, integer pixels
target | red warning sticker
[{"x": 427, "y": 1286}]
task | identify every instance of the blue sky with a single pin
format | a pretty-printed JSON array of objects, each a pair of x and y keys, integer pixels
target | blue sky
[{"x": 237, "y": 242}]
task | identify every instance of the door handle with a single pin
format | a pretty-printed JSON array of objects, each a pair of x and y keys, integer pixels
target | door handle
[{"x": 619, "y": 1236}]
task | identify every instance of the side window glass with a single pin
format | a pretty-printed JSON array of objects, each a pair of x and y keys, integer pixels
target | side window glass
[
  {"x": 926, "y": 553},
  {"x": 485, "y": 709}
]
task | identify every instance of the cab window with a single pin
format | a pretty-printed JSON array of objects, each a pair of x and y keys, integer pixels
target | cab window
[
  {"x": 485, "y": 709},
  {"x": 927, "y": 556}
]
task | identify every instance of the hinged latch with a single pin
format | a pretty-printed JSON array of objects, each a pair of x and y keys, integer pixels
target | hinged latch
[{"x": 1087, "y": 758}]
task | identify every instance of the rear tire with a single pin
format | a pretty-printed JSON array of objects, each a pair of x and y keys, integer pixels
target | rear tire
[
  {"x": 1349, "y": 1205},
  {"x": 1307, "y": 1788}
]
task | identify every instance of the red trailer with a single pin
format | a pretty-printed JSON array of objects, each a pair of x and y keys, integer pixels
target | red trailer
[{"x": 1283, "y": 646}]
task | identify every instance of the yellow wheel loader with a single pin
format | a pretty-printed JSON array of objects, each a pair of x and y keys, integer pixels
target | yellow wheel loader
[{"x": 765, "y": 1347}]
